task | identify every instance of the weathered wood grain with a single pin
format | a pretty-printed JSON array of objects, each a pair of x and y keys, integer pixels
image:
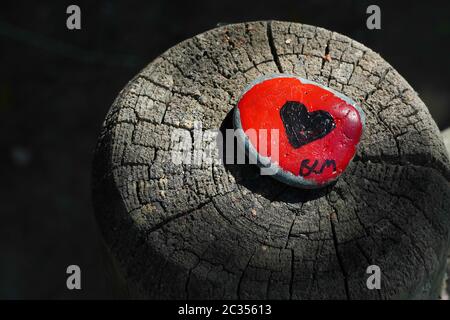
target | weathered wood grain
[{"x": 214, "y": 231}]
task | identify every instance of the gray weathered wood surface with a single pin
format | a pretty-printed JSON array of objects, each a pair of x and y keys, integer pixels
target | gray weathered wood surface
[
  {"x": 446, "y": 286},
  {"x": 446, "y": 137},
  {"x": 186, "y": 231}
]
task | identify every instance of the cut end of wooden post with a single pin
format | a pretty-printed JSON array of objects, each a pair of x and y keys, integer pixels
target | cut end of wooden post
[{"x": 183, "y": 228}]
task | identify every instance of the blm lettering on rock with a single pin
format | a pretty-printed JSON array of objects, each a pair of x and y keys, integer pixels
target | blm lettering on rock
[{"x": 306, "y": 168}]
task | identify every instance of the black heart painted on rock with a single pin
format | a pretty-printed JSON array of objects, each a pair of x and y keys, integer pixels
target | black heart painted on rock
[{"x": 303, "y": 127}]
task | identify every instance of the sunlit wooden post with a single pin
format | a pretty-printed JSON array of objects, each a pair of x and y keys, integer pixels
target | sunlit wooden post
[{"x": 225, "y": 231}]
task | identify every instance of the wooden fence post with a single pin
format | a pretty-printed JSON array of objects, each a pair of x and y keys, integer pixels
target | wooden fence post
[{"x": 187, "y": 231}]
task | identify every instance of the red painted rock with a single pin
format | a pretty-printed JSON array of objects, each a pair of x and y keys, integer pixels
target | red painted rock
[{"x": 301, "y": 132}]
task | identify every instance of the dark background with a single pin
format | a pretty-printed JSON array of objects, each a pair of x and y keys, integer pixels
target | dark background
[{"x": 56, "y": 86}]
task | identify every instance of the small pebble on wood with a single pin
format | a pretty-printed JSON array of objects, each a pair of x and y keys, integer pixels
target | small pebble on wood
[{"x": 307, "y": 133}]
